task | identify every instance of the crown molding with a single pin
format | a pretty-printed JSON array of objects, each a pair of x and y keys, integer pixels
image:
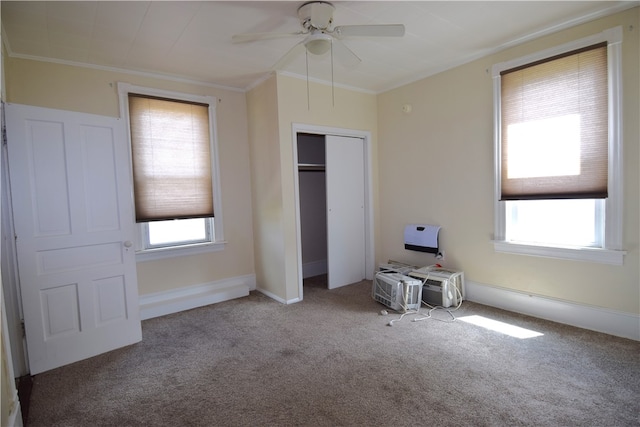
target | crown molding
[{"x": 154, "y": 75}]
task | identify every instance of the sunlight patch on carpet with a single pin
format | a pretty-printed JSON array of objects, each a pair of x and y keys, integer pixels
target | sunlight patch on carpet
[{"x": 504, "y": 328}]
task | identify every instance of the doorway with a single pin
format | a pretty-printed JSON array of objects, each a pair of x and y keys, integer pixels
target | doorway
[
  {"x": 312, "y": 195},
  {"x": 333, "y": 205}
]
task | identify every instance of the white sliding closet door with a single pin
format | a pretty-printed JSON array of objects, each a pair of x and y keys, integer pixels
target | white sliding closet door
[{"x": 345, "y": 210}]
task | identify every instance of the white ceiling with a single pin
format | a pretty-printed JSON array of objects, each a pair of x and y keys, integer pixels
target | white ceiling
[{"x": 192, "y": 40}]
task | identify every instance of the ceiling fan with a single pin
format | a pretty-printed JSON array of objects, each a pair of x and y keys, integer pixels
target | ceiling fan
[{"x": 320, "y": 36}]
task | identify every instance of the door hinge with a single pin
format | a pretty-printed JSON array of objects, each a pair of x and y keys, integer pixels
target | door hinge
[{"x": 24, "y": 331}]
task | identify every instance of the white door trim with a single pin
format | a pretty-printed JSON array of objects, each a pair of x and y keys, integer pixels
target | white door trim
[
  {"x": 297, "y": 128},
  {"x": 10, "y": 285}
]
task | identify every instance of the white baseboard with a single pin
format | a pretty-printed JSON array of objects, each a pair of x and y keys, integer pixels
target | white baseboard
[
  {"x": 277, "y": 298},
  {"x": 309, "y": 269},
  {"x": 314, "y": 268},
  {"x": 15, "y": 416},
  {"x": 176, "y": 300},
  {"x": 621, "y": 324}
]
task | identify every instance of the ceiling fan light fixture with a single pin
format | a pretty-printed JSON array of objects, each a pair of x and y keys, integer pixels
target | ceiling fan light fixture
[{"x": 318, "y": 44}]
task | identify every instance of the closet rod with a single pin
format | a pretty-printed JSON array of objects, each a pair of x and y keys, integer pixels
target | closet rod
[{"x": 310, "y": 167}]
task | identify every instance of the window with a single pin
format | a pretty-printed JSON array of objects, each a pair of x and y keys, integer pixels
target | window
[
  {"x": 174, "y": 165},
  {"x": 558, "y": 177},
  {"x": 178, "y": 232}
]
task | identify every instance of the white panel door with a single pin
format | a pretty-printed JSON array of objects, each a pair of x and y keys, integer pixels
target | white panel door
[
  {"x": 345, "y": 210},
  {"x": 74, "y": 225}
]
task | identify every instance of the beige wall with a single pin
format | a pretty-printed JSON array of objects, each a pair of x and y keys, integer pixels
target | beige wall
[
  {"x": 268, "y": 226},
  {"x": 437, "y": 168},
  {"x": 348, "y": 110},
  {"x": 94, "y": 91},
  {"x": 352, "y": 110}
]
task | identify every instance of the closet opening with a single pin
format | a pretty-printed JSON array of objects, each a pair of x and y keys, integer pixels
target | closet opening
[
  {"x": 333, "y": 207},
  {"x": 312, "y": 191}
]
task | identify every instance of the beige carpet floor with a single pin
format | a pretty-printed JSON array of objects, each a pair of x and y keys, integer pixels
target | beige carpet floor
[{"x": 331, "y": 360}]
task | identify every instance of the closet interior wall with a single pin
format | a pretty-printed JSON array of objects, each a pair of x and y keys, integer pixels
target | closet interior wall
[{"x": 313, "y": 203}]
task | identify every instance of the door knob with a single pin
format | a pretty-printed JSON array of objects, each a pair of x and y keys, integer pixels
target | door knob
[{"x": 128, "y": 244}]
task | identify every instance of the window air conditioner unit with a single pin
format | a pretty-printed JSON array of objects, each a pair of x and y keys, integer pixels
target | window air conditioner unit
[
  {"x": 397, "y": 291},
  {"x": 442, "y": 287}
]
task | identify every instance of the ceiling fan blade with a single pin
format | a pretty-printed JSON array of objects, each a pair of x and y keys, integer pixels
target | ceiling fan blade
[
  {"x": 289, "y": 56},
  {"x": 321, "y": 14},
  {"x": 382, "y": 30},
  {"x": 345, "y": 55},
  {"x": 249, "y": 37}
]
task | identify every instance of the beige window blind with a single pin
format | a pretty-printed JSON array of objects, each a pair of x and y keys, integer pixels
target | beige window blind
[
  {"x": 555, "y": 127},
  {"x": 171, "y": 154}
]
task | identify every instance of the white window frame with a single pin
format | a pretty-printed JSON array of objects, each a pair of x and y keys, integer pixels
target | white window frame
[
  {"x": 611, "y": 251},
  {"x": 218, "y": 242}
]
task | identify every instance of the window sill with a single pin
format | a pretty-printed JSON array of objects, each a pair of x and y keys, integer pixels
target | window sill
[
  {"x": 178, "y": 251},
  {"x": 604, "y": 256}
]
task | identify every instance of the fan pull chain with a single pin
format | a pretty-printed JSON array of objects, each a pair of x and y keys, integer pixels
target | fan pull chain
[
  {"x": 306, "y": 57},
  {"x": 333, "y": 97}
]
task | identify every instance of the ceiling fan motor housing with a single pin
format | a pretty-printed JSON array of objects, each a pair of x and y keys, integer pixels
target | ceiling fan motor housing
[{"x": 316, "y": 15}]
